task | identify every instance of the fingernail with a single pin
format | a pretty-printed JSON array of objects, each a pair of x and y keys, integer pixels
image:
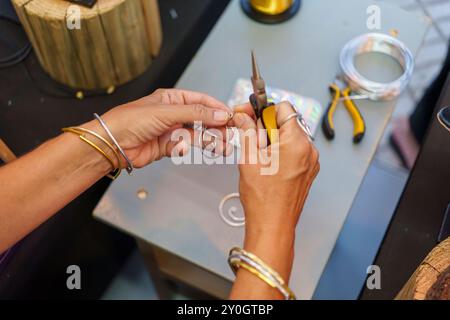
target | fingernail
[{"x": 221, "y": 115}]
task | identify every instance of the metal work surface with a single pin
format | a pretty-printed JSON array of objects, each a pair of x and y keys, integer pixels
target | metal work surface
[{"x": 180, "y": 213}]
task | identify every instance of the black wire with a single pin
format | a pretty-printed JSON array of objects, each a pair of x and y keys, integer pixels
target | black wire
[
  {"x": 65, "y": 92},
  {"x": 19, "y": 55},
  {"x": 16, "y": 57}
]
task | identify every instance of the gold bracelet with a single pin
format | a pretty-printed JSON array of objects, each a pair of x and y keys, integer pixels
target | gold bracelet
[
  {"x": 81, "y": 134},
  {"x": 237, "y": 261},
  {"x": 241, "y": 258},
  {"x": 260, "y": 262},
  {"x": 80, "y": 131},
  {"x": 241, "y": 264}
]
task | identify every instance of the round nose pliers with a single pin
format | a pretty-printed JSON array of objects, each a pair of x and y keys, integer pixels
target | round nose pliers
[{"x": 264, "y": 109}]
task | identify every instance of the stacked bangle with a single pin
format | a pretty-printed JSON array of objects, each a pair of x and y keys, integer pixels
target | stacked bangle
[
  {"x": 81, "y": 132},
  {"x": 129, "y": 166},
  {"x": 239, "y": 258}
]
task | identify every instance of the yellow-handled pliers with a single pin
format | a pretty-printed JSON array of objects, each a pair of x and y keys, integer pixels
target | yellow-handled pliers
[
  {"x": 341, "y": 91},
  {"x": 264, "y": 110}
]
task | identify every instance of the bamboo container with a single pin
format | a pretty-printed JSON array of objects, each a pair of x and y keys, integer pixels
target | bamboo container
[{"x": 115, "y": 41}]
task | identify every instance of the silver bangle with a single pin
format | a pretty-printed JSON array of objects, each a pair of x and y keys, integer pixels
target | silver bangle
[
  {"x": 382, "y": 43},
  {"x": 441, "y": 122},
  {"x": 289, "y": 117},
  {"x": 129, "y": 166},
  {"x": 250, "y": 262},
  {"x": 266, "y": 273}
]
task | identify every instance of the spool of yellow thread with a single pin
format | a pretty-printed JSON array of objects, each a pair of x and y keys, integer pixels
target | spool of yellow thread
[{"x": 270, "y": 11}]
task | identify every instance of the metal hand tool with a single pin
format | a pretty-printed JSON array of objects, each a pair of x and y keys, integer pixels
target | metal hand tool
[
  {"x": 337, "y": 89},
  {"x": 264, "y": 109}
]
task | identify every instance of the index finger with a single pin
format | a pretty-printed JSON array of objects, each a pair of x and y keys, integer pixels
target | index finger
[
  {"x": 178, "y": 96},
  {"x": 246, "y": 108}
]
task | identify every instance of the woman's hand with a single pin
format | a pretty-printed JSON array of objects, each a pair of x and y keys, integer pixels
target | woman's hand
[
  {"x": 273, "y": 203},
  {"x": 65, "y": 166},
  {"x": 143, "y": 127}
]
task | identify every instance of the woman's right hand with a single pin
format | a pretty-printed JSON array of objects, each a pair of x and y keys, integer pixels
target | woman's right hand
[{"x": 273, "y": 203}]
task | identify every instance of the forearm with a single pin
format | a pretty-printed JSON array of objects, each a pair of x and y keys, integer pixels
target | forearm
[
  {"x": 37, "y": 185},
  {"x": 276, "y": 249}
]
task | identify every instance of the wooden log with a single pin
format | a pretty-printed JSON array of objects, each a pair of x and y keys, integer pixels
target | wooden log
[
  {"x": 114, "y": 44},
  {"x": 153, "y": 21},
  {"x": 431, "y": 280}
]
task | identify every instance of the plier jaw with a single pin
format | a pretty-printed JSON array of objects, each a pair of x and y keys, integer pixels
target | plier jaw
[
  {"x": 259, "y": 97},
  {"x": 262, "y": 108}
]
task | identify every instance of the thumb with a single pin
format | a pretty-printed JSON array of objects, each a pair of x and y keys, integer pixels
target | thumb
[
  {"x": 181, "y": 114},
  {"x": 247, "y": 137}
]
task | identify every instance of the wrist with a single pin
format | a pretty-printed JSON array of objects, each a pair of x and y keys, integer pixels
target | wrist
[
  {"x": 87, "y": 158},
  {"x": 275, "y": 246},
  {"x": 96, "y": 127}
]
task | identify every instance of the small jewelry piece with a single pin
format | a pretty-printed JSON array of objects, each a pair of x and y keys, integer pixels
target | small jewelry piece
[
  {"x": 211, "y": 147},
  {"x": 129, "y": 166},
  {"x": 301, "y": 122},
  {"x": 232, "y": 220},
  {"x": 240, "y": 258}
]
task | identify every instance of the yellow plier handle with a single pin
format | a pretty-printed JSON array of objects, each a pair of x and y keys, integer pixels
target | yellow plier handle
[
  {"x": 268, "y": 117},
  {"x": 269, "y": 121},
  {"x": 359, "y": 126},
  {"x": 327, "y": 122}
]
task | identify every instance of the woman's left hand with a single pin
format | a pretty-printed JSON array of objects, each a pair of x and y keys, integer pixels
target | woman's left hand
[{"x": 143, "y": 128}]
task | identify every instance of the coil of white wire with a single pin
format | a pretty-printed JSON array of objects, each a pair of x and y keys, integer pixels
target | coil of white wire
[{"x": 382, "y": 43}]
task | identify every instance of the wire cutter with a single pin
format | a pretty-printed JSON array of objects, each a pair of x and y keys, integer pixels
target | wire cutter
[
  {"x": 264, "y": 109},
  {"x": 341, "y": 91}
]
